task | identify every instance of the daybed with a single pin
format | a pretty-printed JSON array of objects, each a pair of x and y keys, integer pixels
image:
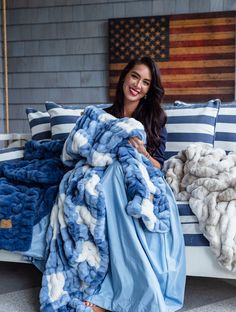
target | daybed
[{"x": 211, "y": 123}]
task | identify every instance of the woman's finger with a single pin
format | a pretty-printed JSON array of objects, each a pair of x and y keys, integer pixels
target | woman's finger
[
  {"x": 138, "y": 141},
  {"x": 134, "y": 145}
]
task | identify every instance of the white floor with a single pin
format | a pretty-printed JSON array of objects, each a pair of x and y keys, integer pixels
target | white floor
[{"x": 20, "y": 285}]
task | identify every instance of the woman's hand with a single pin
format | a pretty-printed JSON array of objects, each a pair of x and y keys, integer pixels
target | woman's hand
[{"x": 139, "y": 145}]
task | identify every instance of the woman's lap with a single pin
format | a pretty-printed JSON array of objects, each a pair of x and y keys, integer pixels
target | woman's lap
[{"x": 147, "y": 270}]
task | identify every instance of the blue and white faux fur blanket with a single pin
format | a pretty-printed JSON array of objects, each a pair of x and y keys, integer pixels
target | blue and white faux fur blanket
[{"x": 78, "y": 249}]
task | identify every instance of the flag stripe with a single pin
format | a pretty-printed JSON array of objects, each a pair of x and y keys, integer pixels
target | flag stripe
[
  {"x": 195, "y": 97},
  {"x": 202, "y": 29},
  {"x": 198, "y": 43},
  {"x": 206, "y": 77},
  {"x": 188, "y": 84},
  {"x": 202, "y": 84},
  {"x": 209, "y": 19},
  {"x": 202, "y": 50},
  {"x": 172, "y": 91},
  {"x": 185, "y": 64},
  {"x": 197, "y": 70},
  {"x": 189, "y": 80},
  {"x": 199, "y": 57},
  {"x": 204, "y": 22},
  {"x": 202, "y": 36},
  {"x": 189, "y": 97},
  {"x": 195, "y": 73}
]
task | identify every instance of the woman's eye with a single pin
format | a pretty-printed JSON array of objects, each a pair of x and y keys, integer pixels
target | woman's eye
[
  {"x": 134, "y": 76},
  {"x": 146, "y": 83}
]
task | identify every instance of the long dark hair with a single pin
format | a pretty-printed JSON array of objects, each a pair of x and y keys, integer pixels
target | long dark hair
[{"x": 149, "y": 111}]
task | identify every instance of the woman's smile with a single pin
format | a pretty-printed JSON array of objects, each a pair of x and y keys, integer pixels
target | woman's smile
[{"x": 134, "y": 91}]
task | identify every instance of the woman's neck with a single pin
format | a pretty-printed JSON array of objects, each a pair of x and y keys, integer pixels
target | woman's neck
[{"x": 129, "y": 108}]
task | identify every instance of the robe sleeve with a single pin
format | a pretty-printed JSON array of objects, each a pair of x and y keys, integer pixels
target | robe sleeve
[{"x": 159, "y": 154}]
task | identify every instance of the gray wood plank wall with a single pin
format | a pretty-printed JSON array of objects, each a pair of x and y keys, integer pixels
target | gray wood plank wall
[
  {"x": 58, "y": 49},
  {"x": 2, "y": 111}
]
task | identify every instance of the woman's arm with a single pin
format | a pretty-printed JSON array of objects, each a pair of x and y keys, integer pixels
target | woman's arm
[
  {"x": 158, "y": 158},
  {"x": 153, "y": 161},
  {"x": 159, "y": 154}
]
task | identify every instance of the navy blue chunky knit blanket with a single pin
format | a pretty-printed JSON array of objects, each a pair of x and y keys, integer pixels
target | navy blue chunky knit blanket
[{"x": 28, "y": 189}]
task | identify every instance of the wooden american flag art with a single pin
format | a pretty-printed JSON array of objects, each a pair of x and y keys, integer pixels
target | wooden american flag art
[{"x": 195, "y": 52}]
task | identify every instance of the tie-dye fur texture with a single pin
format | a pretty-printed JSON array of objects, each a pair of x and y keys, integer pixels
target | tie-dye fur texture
[{"x": 78, "y": 255}]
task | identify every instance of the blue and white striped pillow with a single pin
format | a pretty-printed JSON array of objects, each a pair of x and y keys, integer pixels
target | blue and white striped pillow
[
  {"x": 190, "y": 123},
  {"x": 63, "y": 119},
  {"x": 39, "y": 123},
  {"x": 11, "y": 153},
  {"x": 225, "y": 136}
]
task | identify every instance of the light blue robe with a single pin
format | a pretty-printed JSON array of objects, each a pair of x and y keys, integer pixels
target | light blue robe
[{"x": 147, "y": 270}]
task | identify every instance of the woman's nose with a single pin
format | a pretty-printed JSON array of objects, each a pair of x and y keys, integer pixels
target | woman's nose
[{"x": 138, "y": 83}]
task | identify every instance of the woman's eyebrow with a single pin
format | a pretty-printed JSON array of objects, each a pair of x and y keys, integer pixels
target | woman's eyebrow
[
  {"x": 134, "y": 72},
  {"x": 146, "y": 79}
]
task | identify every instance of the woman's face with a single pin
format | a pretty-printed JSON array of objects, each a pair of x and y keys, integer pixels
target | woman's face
[{"x": 137, "y": 83}]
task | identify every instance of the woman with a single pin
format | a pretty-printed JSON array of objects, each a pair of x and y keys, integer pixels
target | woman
[
  {"x": 147, "y": 270},
  {"x": 138, "y": 95}
]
